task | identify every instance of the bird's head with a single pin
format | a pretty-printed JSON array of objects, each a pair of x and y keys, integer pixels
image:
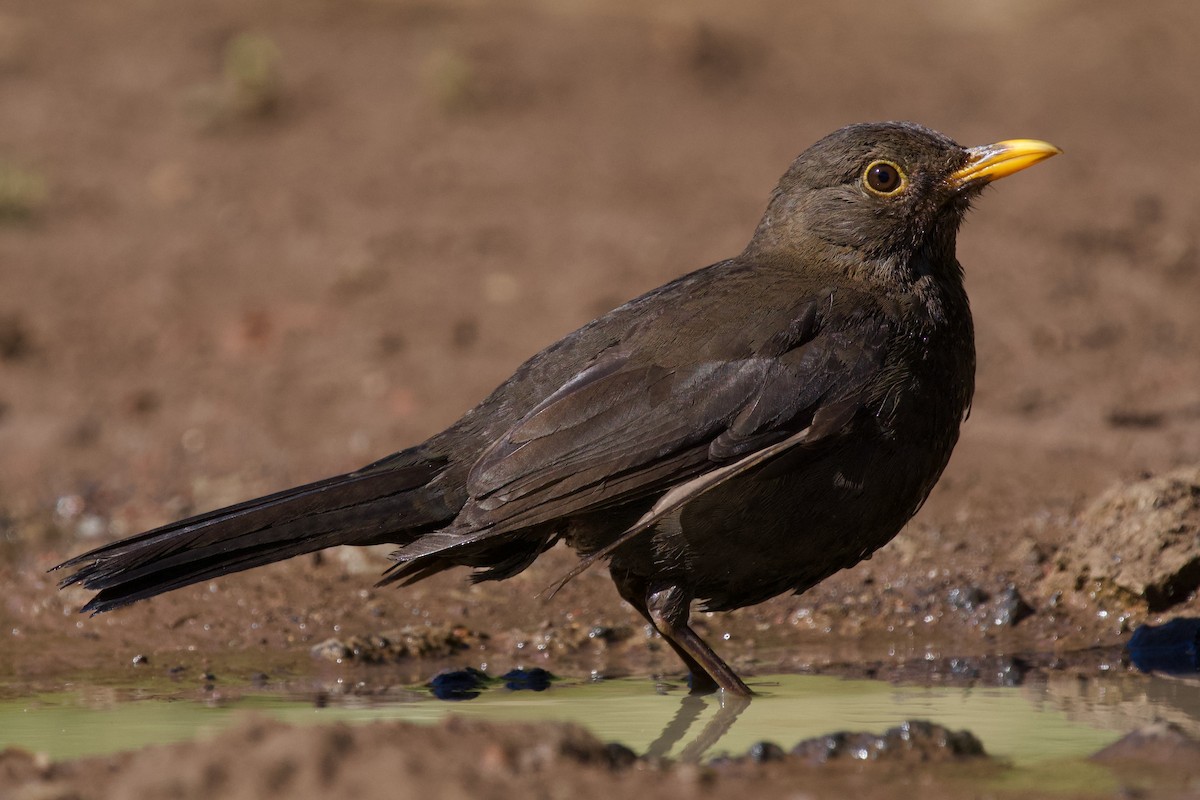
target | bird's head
[{"x": 886, "y": 196}]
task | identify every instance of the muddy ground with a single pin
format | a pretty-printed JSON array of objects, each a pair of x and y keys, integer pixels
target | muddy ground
[{"x": 247, "y": 245}]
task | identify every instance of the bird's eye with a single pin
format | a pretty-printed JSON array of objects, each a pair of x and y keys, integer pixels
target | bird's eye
[{"x": 884, "y": 178}]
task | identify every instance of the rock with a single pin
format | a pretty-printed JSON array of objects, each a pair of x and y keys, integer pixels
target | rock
[
  {"x": 761, "y": 752},
  {"x": 966, "y": 598},
  {"x": 1172, "y": 648},
  {"x": 1010, "y": 608},
  {"x": 915, "y": 741},
  {"x": 459, "y": 684},
  {"x": 332, "y": 649},
  {"x": 1158, "y": 744},
  {"x": 20, "y": 766},
  {"x": 533, "y": 680},
  {"x": 412, "y": 641},
  {"x": 619, "y": 756},
  {"x": 1139, "y": 541}
]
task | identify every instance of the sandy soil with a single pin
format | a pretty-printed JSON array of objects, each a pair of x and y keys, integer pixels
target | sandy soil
[{"x": 245, "y": 245}]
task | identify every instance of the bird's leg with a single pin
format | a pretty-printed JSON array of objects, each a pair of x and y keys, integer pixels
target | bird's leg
[
  {"x": 669, "y": 609},
  {"x": 633, "y": 591}
]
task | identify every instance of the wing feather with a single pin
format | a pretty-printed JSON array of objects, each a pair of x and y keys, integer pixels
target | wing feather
[{"x": 621, "y": 430}]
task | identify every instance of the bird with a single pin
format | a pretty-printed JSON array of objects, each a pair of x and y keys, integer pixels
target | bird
[{"x": 745, "y": 430}]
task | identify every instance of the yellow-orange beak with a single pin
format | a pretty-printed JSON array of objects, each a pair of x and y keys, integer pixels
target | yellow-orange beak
[{"x": 990, "y": 162}]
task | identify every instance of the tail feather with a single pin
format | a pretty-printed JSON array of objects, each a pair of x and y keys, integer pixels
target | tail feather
[
  {"x": 366, "y": 507},
  {"x": 127, "y": 589}
]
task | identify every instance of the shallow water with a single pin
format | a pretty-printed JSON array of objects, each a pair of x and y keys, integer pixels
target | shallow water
[{"x": 1044, "y": 728}]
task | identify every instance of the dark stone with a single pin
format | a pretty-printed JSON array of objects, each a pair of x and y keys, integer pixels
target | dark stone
[
  {"x": 915, "y": 741},
  {"x": 462, "y": 684},
  {"x": 1172, "y": 648},
  {"x": 619, "y": 756},
  {"x": 533, "y": 680},
  {"x": 761, "y": 752},
  {"x": 967, "y": 598},
  {"x": 1010, "y": 608}
]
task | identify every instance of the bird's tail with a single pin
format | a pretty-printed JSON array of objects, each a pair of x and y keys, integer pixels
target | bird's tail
[{"x": 371, "y": 506}]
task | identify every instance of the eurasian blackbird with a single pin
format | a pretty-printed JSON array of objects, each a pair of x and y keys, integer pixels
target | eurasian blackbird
[{"x": 745, "y": 430}]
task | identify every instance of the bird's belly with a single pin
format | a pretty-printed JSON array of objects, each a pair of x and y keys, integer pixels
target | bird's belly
[{"x": 787, "y": 527}]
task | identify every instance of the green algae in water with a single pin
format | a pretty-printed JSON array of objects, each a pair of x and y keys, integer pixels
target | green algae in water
[{"x": 1012, "y": 724}]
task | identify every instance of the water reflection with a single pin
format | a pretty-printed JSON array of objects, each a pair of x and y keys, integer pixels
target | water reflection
[
  {"x": 1122, "y": 702},
  {"x": 1052, "y": 716},
  {"x": 691, "y": 707}
]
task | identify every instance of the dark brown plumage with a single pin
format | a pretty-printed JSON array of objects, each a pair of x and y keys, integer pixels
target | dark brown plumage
[{"x": 745, "y": 430}]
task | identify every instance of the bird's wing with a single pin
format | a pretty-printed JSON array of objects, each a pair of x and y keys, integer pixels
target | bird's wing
[
  {"x": 760, "y": 431},
  {"x": 622, "y": 429}
]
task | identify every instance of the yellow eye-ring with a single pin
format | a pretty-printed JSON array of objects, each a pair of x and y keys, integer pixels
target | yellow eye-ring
[{"x": 884, "y": 178}]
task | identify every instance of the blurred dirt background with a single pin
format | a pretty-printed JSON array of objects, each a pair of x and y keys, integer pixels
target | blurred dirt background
[{"x": 245, "y": 245}]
